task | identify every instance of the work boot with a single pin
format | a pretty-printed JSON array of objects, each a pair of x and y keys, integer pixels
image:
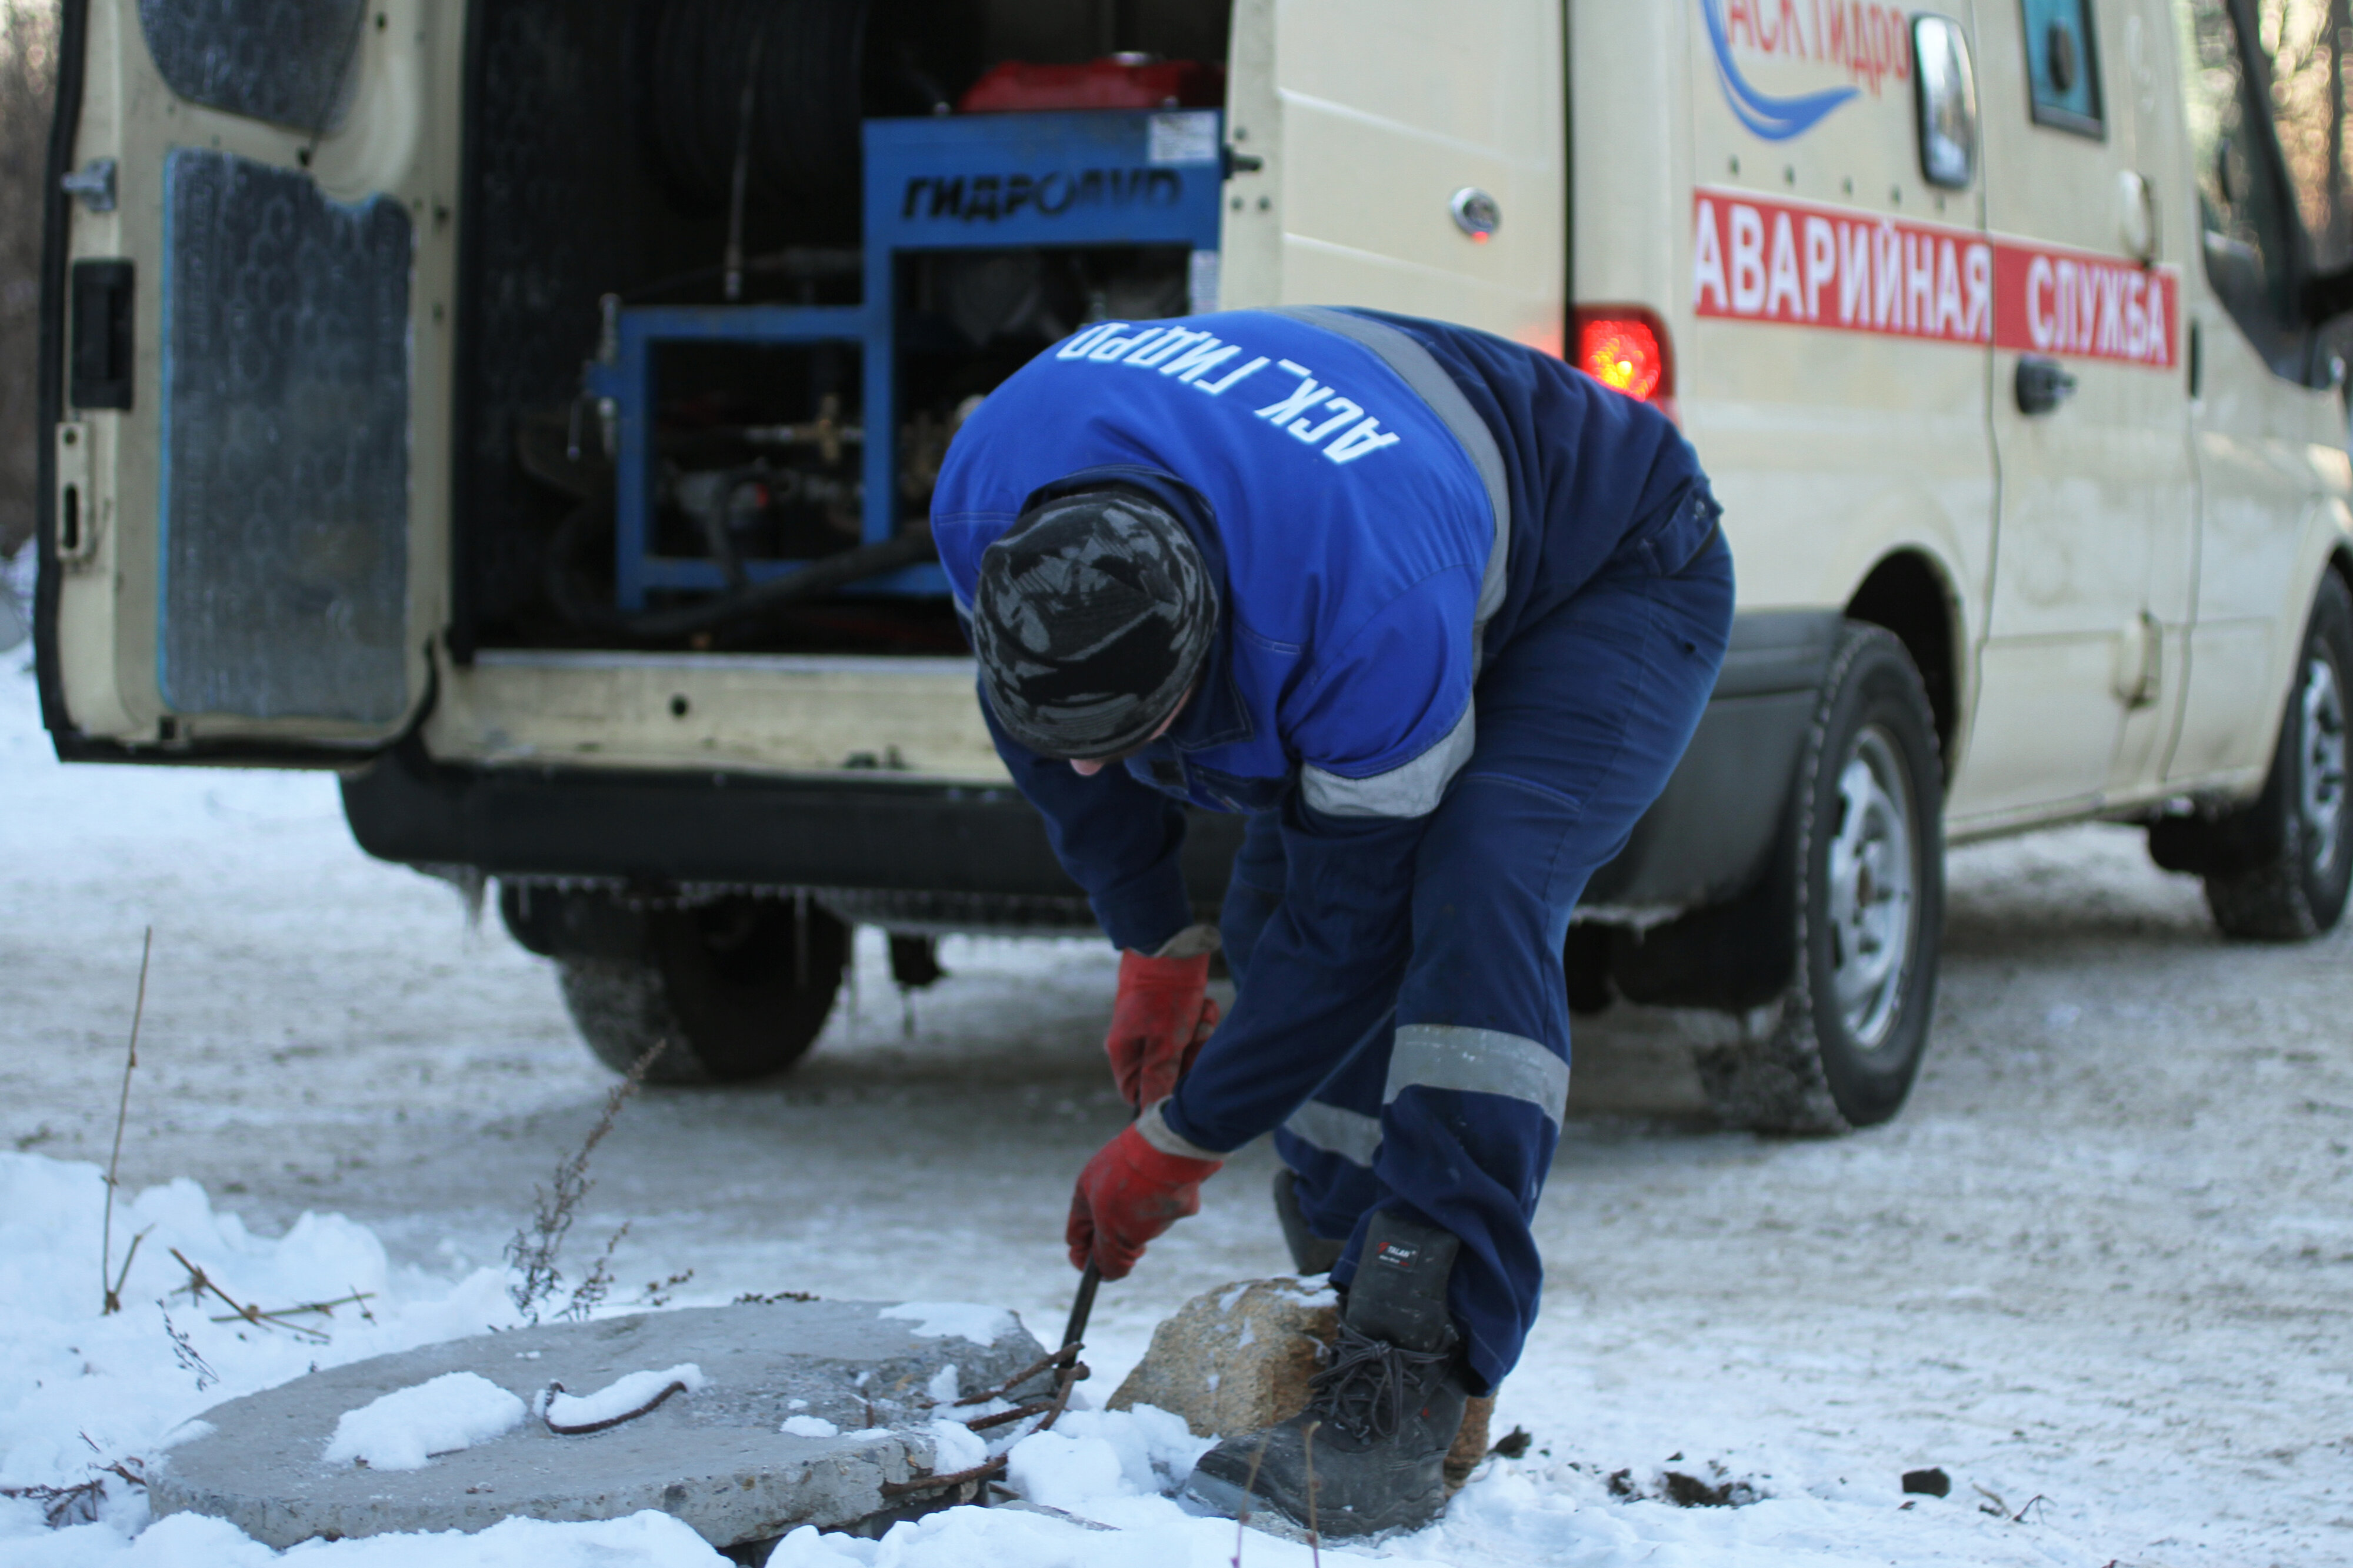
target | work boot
[
  {"x": 1381, "y": 1415},
  {"x": 1310, "y": 1253}
]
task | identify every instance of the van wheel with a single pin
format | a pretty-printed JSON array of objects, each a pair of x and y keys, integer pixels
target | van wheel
[
  {"x": 739, "y": 988},
  {"x": 1866, "y": 845},
  {"x": 2277, "y": 870}
]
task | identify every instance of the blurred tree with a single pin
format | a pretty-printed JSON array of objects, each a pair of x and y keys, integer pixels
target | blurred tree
[
  {"x": 27, "y": 59},
  {"x": 2308, "y": 43}
]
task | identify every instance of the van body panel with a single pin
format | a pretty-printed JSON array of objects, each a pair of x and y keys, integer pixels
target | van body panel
[
  {"x": 807, "y": 716},
  {"x": 2097, "y": 547},
  {"x": 1389, "y": 109},
  {"x": 1630, "y": 244},
  {"x": 1834, "y": 436},
  {"x": 2268, "y": 452}
]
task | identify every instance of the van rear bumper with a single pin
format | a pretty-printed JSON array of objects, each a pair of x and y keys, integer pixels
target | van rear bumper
[{"x": 1708, "y": 838}]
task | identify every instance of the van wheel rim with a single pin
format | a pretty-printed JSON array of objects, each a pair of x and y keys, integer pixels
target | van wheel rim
[
  {"x": 1871, "y": 890},
  {"x": 2323, "y": 763}
]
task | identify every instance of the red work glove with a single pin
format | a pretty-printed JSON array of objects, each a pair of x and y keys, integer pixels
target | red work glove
[
  {"x": 1130, "y": 1193},
  {"x": 1158, "y": 1024}
]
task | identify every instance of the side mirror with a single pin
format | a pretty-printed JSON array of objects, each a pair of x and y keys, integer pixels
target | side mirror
[{"x": 1948, "y": 88}]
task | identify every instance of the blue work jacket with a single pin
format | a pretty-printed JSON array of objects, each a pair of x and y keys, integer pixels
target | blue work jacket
[{"x": 1382, "y": 501}]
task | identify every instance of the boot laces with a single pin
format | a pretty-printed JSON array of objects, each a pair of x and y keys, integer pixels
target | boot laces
[{"x": 1362, "y": 1391}]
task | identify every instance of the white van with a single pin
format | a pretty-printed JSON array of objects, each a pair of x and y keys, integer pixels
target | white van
[{"x": 528, "y": 408}]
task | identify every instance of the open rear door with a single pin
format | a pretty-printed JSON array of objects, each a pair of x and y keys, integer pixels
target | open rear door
[
  {"x": 245, "y": 353},
  {"x": 1401, "y": 155}
]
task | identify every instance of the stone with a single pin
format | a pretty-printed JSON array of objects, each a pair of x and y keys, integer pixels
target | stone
[
  {"x": 714, "y": 1458},
  {"x": 1932, "y": 1483},
  {"x": 1471, "y": 1442},
  {"x": 1237, "y": 1358}
]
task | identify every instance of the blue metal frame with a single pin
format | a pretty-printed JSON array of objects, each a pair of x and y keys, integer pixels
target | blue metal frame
[{"x": 954, "y": 182}]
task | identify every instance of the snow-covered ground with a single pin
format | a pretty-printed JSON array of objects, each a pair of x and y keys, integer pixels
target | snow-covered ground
[{"x": 2097, "y": 1271}]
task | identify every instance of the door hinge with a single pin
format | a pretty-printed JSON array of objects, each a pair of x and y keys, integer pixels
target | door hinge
[{"x": 94, "y": 183}]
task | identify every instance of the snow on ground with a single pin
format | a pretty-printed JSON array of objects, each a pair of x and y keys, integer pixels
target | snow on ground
[{"x": 2098, "y": 1271}]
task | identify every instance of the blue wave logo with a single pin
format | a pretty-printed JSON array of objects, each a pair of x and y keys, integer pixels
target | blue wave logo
[{"x": 1773, "y": 119}]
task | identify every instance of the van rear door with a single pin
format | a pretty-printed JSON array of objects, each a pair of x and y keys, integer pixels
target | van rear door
[
  {"x": 1400, "y": 155},
  {"x": 2083, "y": 667},
  {"x": 246, "y": 331}
]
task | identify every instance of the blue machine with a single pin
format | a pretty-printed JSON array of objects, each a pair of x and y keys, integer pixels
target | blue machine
[{"x": 983, "y": 182}]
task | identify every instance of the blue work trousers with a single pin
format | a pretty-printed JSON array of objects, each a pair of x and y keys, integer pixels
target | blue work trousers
[{"x": 1451, "y": 1107}]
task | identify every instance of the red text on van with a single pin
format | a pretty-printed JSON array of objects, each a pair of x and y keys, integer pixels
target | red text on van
[
  {"x": 1756, "y": 260},
  {"x": 1818, "y": 266}
]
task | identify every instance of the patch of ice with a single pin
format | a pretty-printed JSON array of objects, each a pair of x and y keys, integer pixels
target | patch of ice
[
  {"x": 946, "y": 1387},
  {"x": 956, "y": 1319},
  {"x": 1226, "y": 1302},
  {"x": 809, "y": 1426},
  {"x": 401, "y": 1430},
  {"x": 796, "y": 1405},
  {"x": 619, "y": 1397}
]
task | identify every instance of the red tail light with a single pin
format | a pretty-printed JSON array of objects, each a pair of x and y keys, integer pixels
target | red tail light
[{"x": 1625, "y": 348}]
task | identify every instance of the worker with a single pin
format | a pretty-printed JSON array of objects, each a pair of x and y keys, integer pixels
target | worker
[{"x": 1439, "y": 614}]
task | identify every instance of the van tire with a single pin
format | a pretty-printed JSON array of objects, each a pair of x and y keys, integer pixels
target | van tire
[
  {"x": 1840, "y": 1046},
  {"x": 2278, "y": 868},
  {"x": 738, "y": 988}
]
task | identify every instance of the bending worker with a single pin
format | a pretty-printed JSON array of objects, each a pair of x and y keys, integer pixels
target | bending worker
[{"x": 1439, "y": 613}]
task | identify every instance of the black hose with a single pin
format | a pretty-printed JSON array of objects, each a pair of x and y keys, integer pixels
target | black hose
[
  {"x": 829, "y": 65},
  {"x": 826, "y": 575},
  {"x": 805, "y": 135}
]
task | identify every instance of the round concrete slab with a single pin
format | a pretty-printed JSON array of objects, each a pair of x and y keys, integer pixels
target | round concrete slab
[{"x": 715, "y": 1458}]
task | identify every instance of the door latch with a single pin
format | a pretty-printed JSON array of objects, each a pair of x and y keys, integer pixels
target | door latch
[
  {"x": 98, "y": 373},
  {"x": 76, "y": 519},
  {"x": 2042, "y": 385},
  {"x": 93, "y": 183}
]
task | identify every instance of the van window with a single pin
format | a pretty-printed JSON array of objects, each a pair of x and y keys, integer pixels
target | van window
[
  {"x": 2252, "y": 231},
  {"x": 2308, "y": 92},
  {"x": 2063, "y": 65}
]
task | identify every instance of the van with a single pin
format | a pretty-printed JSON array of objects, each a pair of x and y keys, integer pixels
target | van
[{"x": 527, "y": 409}]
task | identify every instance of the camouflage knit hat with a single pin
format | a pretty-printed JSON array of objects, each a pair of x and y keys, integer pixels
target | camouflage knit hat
[{"x": 1092, "y": 618}]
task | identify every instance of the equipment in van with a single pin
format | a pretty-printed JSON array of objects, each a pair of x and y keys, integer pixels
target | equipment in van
[{"x": 983, "y": 186}]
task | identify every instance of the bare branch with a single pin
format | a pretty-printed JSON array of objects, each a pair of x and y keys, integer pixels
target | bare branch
[
  {"x": 111, "y": 1286},
  {"x": 199, "y": 1282},
  {"x": 533, "y": 1247}
]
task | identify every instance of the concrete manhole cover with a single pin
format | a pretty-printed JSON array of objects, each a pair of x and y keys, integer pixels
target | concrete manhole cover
[{"x": 720, "y": 1456}]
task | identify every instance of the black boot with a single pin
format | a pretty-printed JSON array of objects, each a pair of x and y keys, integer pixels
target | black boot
[
  {"x": 1384, "y": 1410},
  {"x": 1310, "y": 1253}
]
